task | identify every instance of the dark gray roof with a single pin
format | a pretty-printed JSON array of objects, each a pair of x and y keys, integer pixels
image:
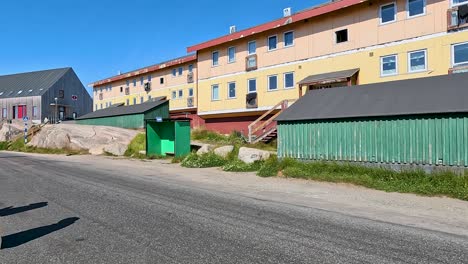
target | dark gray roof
[
  {"x": 430, "y": 95},
  {"x": 329, "y": 76},
  {"x": 125, "y": 110},
  {"x": 29, "y": 83}
]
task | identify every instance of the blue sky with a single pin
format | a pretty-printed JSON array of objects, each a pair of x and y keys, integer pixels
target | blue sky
[{"x": 98, "y": 38}]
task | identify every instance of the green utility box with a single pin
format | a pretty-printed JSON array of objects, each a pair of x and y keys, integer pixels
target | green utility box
[{"x": 168, "y": 137}]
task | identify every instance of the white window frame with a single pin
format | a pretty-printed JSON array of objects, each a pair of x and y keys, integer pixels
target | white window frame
[
  {"x": 268, "y": 82},
  {"x": 394, "y": 16},
  {"x": 268, "y": 42},
  {"x": 425, "y": 61},
  {"x": 408, "y": 11},
  {"x": 5, "y": 112},
  {"x": 228, "y": 90},
  {"x": 248, "y": 85},
  {"x": 180, "y": 94},
  {"x": 284, "y": 38},
  {"x": 453, "y": 54},
  {"x": 284, "y": 80},
  {"x": 248, "y": 47},
  {"x": 452, "y": 4},
  {"x": 212, "y": 94},
  {"x": 212, "y": 59},
  {"x": 396, "y": 65},
  {"x": 228, "y": 55},
  {"x": 180, "y": 71},
  {"x": 174, "y": 72}
]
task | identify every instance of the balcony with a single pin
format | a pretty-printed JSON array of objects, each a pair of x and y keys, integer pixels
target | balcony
[
  {"x": 457, "y": 17},
  {"x": 251, "y": 62}
]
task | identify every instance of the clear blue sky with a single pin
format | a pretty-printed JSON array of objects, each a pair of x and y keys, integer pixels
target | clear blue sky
[{"x": 100, "y": 37}]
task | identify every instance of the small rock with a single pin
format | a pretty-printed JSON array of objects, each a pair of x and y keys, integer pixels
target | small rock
[
  {"x": 250, "y": 155},
  {"x": 117, "y": 149},
  {"x": 142, "y": 152},
  {"x": 224, "y": 151},
  {"x": 205, "y": 149}
]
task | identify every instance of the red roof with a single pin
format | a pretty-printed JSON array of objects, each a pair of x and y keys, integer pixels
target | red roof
[
  {"x": 309, "y": 13},
  {"x": 145, "y": 70}
]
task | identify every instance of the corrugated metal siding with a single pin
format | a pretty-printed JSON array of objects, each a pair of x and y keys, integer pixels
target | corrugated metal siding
[
  {"x": 427, "y": 140},
  {"x": 126, "y": 121},
  {"x": 160, "y": 111}
]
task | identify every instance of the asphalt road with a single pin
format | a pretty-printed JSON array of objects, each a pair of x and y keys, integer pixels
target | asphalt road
[{"x": 52, "y": 211}]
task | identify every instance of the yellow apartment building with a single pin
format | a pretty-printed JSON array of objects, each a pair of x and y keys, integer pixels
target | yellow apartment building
[
  {"x": 175, "y": 80},
  {"x": 246, "y": 73}
]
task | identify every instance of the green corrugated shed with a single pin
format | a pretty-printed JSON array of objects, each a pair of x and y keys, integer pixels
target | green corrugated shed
[
  {"x": 127, "y": 116},
  {"x": 419, "y": 121}
]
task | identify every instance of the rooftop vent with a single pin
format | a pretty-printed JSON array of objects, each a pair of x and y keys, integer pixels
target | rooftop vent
[
  {"x": 232, "y": 29},
  {"x": 287, "y": 12}
]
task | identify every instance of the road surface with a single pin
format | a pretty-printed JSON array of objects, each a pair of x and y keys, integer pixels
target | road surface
[{"x": 57, "y": 209}]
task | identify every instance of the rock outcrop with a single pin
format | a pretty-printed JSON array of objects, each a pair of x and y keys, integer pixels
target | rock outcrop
[{"x": 250, "y": 155}]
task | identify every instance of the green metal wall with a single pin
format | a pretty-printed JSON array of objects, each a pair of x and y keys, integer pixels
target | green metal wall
[
  {"x": 125, "y": 121},
  {"x": 161, "y": 111},
  {"x": 424, "y": 140}
]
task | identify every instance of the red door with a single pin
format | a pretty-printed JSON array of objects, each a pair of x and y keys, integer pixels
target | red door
[{"x": 21, "y": 111}]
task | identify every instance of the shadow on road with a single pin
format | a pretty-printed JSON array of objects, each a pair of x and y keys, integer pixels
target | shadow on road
[
  {"x": 16, "y": 210},
  {"x": 24, "y": 237}
]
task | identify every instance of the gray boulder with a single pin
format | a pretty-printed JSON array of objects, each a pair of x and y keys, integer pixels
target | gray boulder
[
  {"x": 224, "y": 151},
  {"x": 205, "y": 148},
  {"x": 250, "y": 155}
]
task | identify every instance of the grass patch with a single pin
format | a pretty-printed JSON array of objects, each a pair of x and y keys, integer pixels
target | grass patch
[
  {"x": 3, "y": 145},
  {"x": 19, "y": 146},
  {"x": 136, "y": 145},
  {"x": 237, "y": 165},
  {"x": 444, "y": 183},
  {"x": 207, "y": 160},
  {"x": 235, "y": 138}
]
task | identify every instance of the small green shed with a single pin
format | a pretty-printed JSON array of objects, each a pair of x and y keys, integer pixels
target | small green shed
[
  {"x": 167, "y": 137},
  {"x": 416, "y": 122},
  {"x": 132, "y": 116}
]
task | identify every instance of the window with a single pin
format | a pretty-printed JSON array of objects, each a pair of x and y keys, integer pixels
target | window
[
  {"x": 231, "y": 54},
  {"x": 272, "y": 42},
  {"x": 190, "y": 92},
  {"x": 232, "y": 90},
  {"x": 387, "y": 13},
  {"x": 95, "y": 107},
  {"x": 289, "y": 80},
  {"x": 141, "y": 100},
  {"x": 142, "y": 80},
  {"x": 288, "y": 38},
  {"x": 161, "y": 80},
  {"x": 417, "y": 61},
  {"x": 215, "y": 58},
  {"x": 4, "y": 112},
  {"x": 181, "y": 70},
  {"x": 252, "y": 86},
  {"x": 61, "y": 94},
  {"x": 149, "y": 78},
  {"x": 181, "y": 93},
  {"x": 416, "y": 7},
  {"x": 341, "y": 36},
  {"x": 252, "y": 47},
  {"x": 134, "y": 82},
  {"x": 174, "y": 72},
  {"x": 460, "y": 54},
  {"x": 128, "y": 83},
  {"x": 388, "y": 65},
  {"x": 272, "y": 82},
  {"x": 121, "y": 89},
  {"x": 458, "y": 2},
  {"x": 215, "y": 92},
  {"x": 190, "y": 68},
  {"x": 149, "y": 97},
  {"x": 134, "y": 101},
  {"x": 128, "y": 102},
  {"x": 251, "y": 62},
  {"x": 101, "y": 106},
  {"x": 174, "y": 95}
]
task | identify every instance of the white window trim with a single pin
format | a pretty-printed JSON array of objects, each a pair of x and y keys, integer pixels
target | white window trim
[
  {"x": 215, "y": 99},
  {"x": 394, "y": 17},
  {"x": 408, "y": 11},
  {"x": 268, "y": 85},
  {"x": 235, "y": 50},
  {"x": 459, "y": 4},
  {"x": 453, "y": 54},
  {"x": 268, "y": 42},
  {"x": 212, "y": 60},
  {"x": 284, "y": 39},
  {"x": 396, "y": 65},
  {"x": 425, "y": 61},
  {"x": 235, "y": 88},
  {"x": 284, "y": 80},
  {"x": 347, "y": 36},
  {"x": 178, "y": 94},
  {"x": 248, "y": 85},
  {"x": 248, "y": 45}
]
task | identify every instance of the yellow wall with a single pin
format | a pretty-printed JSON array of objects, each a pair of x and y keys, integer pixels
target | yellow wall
[{"x": 438, "y": 57}]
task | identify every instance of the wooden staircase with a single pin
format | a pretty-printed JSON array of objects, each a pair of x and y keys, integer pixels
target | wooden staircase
[{"x": 262, "y": 130}]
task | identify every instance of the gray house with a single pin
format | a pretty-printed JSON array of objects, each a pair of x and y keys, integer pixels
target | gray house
[{"x": 57, "y": 94}]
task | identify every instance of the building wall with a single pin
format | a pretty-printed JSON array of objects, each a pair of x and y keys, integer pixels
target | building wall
[
  {"x": 125, "y": 121},
  {"x": 29, "y": 102},
  {"x": 421, "y": 140},
  {"x": 114, "y": 93}
]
